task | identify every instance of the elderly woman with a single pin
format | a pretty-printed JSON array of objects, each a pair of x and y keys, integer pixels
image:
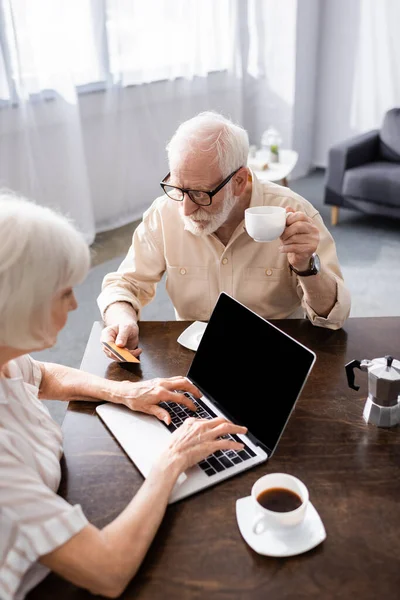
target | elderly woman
[{"x": 42, "y": 257}]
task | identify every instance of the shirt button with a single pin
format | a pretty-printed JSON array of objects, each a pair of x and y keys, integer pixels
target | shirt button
[
  {"x": 224, "y": 261},
  {"x": 182, "y": 271},
  {"x": 268, "y": 272}
]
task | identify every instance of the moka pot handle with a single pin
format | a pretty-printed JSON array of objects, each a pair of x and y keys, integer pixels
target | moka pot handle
[{"x": 353, "y": 364}]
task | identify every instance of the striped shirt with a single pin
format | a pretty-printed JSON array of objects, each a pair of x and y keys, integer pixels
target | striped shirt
[{"x": 34, "y": 520}]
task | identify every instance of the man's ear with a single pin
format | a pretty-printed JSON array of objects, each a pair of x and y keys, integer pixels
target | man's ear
[{"x": 240, "y": 181}]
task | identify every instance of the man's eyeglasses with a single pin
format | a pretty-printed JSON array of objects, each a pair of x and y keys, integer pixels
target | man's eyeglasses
[{"x": 199, "y": 197}]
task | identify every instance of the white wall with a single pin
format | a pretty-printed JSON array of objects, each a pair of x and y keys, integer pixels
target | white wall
[
  {"x": 307, "y": 40},
  {"x": 338, "y": 30}
]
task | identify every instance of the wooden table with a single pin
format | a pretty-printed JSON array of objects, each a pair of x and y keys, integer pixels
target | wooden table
[{"x": 351, "y": 469}]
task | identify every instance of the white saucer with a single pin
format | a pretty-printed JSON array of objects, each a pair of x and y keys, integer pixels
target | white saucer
[
  {"x": 287, "y": 541},
  {"x": 190, "y": 338}
]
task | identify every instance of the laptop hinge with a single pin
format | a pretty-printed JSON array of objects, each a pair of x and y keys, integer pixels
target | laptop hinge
[{"x": 257, "y": 442}]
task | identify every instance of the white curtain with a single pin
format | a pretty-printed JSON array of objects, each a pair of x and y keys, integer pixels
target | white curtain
[
  {"x": 154, "y": 41},
  {"x": 376, "y": 86},
  {"x": 271, "y": 66},
  {"x": 91, "y": 91},
  {"x": 47, "y": 49}
]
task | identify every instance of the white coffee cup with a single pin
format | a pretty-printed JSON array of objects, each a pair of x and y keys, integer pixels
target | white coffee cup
[
  {"x": 264, "y": 517},
  {"x": 265, "y": 223}
]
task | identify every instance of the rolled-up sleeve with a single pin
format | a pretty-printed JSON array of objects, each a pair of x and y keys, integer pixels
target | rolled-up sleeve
[
  {"x": 136, "y": 280},
  {"x": 34, "y": 520},
  {"x": 339, "y": 313}
]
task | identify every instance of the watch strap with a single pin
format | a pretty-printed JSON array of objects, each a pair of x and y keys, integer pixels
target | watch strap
[{"x": 312, "y": 268}]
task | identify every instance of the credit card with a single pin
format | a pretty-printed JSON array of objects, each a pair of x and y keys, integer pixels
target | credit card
[{"x": 121, "y": 354}]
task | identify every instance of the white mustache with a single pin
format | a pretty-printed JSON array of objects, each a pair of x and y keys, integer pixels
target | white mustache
[
  {"x": 210, "y": 221},
  {"x": 203, "y": 216}
]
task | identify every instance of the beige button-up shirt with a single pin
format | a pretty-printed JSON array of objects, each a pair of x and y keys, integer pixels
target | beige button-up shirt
[{"x": 199, "y": 268}]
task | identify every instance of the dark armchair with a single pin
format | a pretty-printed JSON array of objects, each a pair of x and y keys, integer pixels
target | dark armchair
[{"x": 364, "y": 172}]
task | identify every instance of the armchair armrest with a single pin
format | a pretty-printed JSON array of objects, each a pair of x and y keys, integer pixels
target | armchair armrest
[{"x": 353, "y": 152}]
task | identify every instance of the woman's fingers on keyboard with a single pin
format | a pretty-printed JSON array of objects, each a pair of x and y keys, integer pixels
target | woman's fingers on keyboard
[
  {"x": 217, "y": 421},
  {"x": 182, "y": 384},
  {"x": 160, "y": 413},
  {"x": 227, "y": 444},
  {"x": 226, "y": 428},
  {"x": 219, "y": 427},
  {"x": 180, "y": 398}
]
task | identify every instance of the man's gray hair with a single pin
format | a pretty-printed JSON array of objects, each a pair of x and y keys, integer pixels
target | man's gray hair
[
  {"x": 41, "y": 253},
  {"x": 210, "y": 132}
]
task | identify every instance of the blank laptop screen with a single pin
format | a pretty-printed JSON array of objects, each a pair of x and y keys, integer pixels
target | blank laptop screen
[{"x": 250, "y": 369}]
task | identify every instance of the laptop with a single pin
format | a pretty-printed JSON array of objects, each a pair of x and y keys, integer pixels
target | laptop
[{"x": 248, "y": 371}]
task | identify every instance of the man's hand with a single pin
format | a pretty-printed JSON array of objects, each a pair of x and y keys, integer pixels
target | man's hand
[
  {"x": 300, "y": 239},
  {"x": 121, "y": 328},
  {"x": 145, "y": 396}
]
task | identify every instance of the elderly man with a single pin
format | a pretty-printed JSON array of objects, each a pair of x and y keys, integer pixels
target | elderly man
[{"x": 195, "y": 233}]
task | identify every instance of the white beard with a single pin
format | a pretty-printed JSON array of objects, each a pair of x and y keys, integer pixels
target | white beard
[{"x": 202, "y": 223}]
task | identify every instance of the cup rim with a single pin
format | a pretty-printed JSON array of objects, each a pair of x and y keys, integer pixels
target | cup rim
[
  {"x": 260, "y": 210},
  {"x": 305, "y": 497}
]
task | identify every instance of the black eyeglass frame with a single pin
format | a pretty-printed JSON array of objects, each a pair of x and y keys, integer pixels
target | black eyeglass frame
[{"x": 188, "y": 191}]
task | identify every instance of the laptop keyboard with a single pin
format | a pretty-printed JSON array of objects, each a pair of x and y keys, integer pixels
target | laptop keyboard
[{"x": 221, "y": 459}]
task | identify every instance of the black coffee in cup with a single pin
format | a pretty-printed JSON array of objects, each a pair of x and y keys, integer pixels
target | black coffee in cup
[{"x": 279, "y": 500}]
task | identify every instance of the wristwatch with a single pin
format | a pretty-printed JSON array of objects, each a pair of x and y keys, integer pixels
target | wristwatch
[{"x": 313, "y": 267}]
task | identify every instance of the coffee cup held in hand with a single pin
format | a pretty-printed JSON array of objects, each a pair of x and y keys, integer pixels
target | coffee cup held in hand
[
  {"x": 280, "y": 500},
  {"x": 265, "y": 223}
]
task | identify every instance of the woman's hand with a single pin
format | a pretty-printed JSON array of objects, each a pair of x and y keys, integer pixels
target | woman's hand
[
  {"x": 198, "y": 438},
  {"x": 145, "y": 396}
]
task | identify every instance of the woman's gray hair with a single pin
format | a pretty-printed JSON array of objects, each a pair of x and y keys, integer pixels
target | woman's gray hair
[
  {"x": 210, "y": 132},
  {"x": 41, "y": 253}
]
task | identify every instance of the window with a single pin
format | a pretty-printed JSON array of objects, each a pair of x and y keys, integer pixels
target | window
[
  {"x": 47, "y": 45},
  {"x": 155, "y": 40}
]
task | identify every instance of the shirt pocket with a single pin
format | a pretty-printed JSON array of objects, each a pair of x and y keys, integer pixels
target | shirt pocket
[
  {"x": 265, "y": 274},
  {"x": 269, "y": 291},
  {"x": 189, "y": 290}
]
